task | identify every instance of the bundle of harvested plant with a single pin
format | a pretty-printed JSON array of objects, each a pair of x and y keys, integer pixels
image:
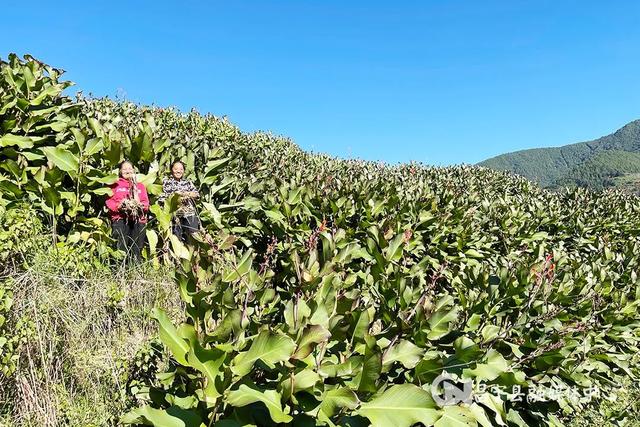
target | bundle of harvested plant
[{"x": 132, "y": 208}]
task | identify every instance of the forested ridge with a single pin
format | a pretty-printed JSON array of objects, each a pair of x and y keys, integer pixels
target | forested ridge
[{"x": 593, "y": 164}]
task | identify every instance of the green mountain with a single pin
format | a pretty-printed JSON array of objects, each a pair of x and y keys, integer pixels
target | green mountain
[
  {"x": 602, "y": 170},
  {"x": 595, "y": 164}
]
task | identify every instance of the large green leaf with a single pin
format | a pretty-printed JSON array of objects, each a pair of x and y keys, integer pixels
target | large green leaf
[
  {"x": 211, "y": 168},
  {"x": 367, "y": 378},
  {"x": 362, "y": 325},
  {"x": 489, "y": 371},
  {"x": 22, "y": 142},
  {"x": 335, "y": 400},
  {"x": 171, "y": 417},
  {"x": 179, "y": 249},
  {"x": 312, "y": 335},
  {"x": 50, "y": 91},
  {"x": 52, "y": 201},
  {"x": 480, "y": 415},
  {"x": 242, "y": 268},
  {"x": 169, "y": 335},
  {"x": 393, "y": 252},
  {"x": 303, "y": 380},
  {"x": 94, "y": 146},
  {"x": 246, "y": 395},
  {"x": 402, "y": 406},
  {"x": 404, "y": 352},
  {"x": 269, "y": 348},
  {"x": 163, "y": 217},
  {"x": 207, "y": 361},
  {"x": 456, "y": 416},
  {"x": 152, "y": 239},
  {"x": 62, "y": 158},
  {"x": 440, "y": 322}
]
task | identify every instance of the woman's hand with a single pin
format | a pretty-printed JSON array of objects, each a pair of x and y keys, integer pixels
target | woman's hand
[{"x": 188, "y": 194}]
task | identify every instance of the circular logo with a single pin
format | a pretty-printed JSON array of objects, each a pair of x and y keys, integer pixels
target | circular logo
[{"x": 446, "y": 391}]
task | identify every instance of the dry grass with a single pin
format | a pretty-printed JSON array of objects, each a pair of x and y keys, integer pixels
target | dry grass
[
  {"x": 620, "y": 409},
  {"x": 82, "y": 329}
]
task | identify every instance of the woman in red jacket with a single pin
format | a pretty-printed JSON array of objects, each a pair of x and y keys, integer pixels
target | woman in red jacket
[{"x": 128, "y": 207}]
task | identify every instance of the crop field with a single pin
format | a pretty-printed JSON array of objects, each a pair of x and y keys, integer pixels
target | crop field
[{"x": 326, "y": 291}]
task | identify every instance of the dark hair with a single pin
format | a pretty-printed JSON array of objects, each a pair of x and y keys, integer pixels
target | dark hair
[
  {"x": 175, "y": 162},
  {"x": 122, "y": 163}
]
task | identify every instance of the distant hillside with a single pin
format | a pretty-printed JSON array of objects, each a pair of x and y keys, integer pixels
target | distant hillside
[
  {"x": 595, "y": 164},
  {"x": 602, "y": 170}
]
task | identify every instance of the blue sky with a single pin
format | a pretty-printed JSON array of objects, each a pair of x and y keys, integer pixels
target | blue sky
[{"x": 440, "y": 82}]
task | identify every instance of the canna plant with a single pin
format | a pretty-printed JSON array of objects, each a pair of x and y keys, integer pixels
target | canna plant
[{"x": 336, "y": 292}]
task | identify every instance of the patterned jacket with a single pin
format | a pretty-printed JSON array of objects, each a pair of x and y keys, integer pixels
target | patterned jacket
[{"x": 171, "y": 185}]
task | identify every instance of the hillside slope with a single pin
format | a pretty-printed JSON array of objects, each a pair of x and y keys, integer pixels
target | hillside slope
[
  {"x": 555, "y": 166},
  {"x": 336, "y": 292},
  {"x": 602, "y": 170}
]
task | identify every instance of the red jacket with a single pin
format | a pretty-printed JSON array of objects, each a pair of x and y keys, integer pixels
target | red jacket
[{"x": 119, "y": 192}]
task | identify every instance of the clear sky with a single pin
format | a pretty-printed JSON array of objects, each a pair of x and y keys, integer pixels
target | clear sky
[{"x": 434, "y": 81}]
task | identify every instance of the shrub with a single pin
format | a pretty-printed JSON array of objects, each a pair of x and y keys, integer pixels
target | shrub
[{"x": 20, "y": 235}]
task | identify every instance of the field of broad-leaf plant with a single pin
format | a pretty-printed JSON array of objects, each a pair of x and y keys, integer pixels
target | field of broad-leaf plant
[{"x": 335, "y": 292}]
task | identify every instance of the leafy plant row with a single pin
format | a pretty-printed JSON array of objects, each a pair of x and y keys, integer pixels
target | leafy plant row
[{"x": 335, "y": 292}]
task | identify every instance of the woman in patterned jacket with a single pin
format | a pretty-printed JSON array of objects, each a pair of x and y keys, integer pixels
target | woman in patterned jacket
[{"x": 186, "y": 220}]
